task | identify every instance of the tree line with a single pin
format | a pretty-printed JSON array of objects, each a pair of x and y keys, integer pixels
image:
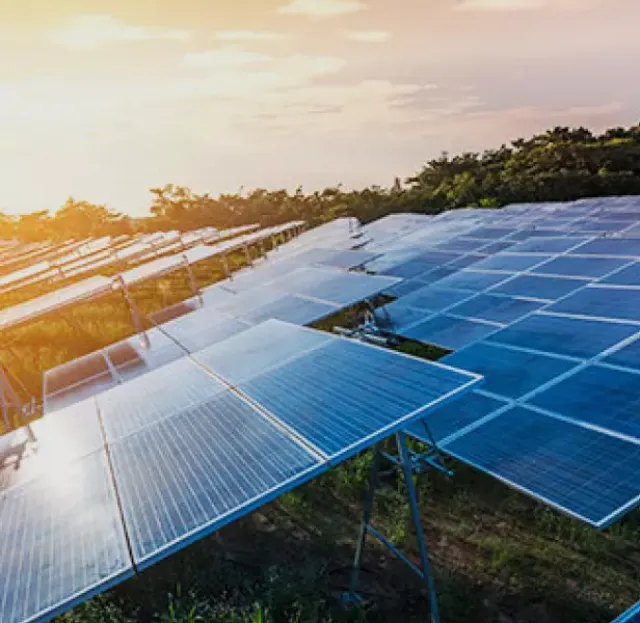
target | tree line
[{"x": 558, "y": 165}]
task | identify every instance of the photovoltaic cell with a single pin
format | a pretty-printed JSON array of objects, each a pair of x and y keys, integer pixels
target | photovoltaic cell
[
  {"x": 290, "y": 308},
  {"x": 340, "y": 413},
  {"x": 494, "y": 308},
  {"x": 628, "y": 247},
  {"x": 510, "y": 262},
  {"x": 257, "y": 349},
  {"x": 454, "y": 417},
  {"x": 581, "y": 471},
  {"x": 544, "y": 288},
  {"x": 61, "y": 541},
  {"x": 187, "y": 475},
  {"x": 628, "y": 356},
  {"x": 448, "y": 332},
  {"x": 547, "y": 245},
  {"x": 580, "y": 266},
  {"x": 602, "y": 396},
  {"x": 201, "y": 328},
  {"x": 611, "y": 302},
  {"x": 435, "y": 298},
  {"x": 573, "y": 337},
  {"x": 472, "y": 280},
  {"x": 629, "y": 276},
  {"x": 398, "y": 315},
  {"x": 130, "y": 407},
  {"x": 508, "y": 372},
  {"x": 496, "y": 247}
]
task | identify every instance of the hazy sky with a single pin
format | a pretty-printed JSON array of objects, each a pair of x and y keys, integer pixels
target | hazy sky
[{"x": 105, "y": 99}]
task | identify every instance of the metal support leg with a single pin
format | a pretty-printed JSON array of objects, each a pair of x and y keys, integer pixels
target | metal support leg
[
  {"x": 247, "y": 255},
  {"x": 225, "y": 265},
  {"x": 424, "y": 572},
  {"x": 136, "y": 321},
  {"x": 193, "y": 282},
  {"x": 415, "y": 515},
  {"x": 364, "y": 526}
]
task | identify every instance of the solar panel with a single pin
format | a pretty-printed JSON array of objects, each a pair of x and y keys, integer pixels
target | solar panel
[
  {"x": 291, "y": 308},
  {"x": 79, "y": 291},
  {"x": 471, "y": 280},
  {"x": 588, "y": 267},
  {"x": 547, "y": 245},
  {"x": 602, "y": 302},
  {"x": 448, "y": 331},
  {"x": 580, "y": 471},
  {"x": 201, "y": 328},
  {"x": 628, "y": 356},
  {"x": 510, "y": 262},
  {"x": 61, "y": 541},
  {"x": 572, "y": 337},
  {"x": 495, "y": 308},
  {"x": 341, "y": 413},
  {"x": 175, "y": 488},
  {"x": 509, "y": 372},
  {"x": 631, "y": 616},
  {"x": 624, "y": 247},
  {"x": 541, "y": 288},
  {"x": 604, "y": 397},
  {"x": 452, "y": 418},
  {"x": 432, "y": 298},
  {"x": 629, "y": 276}
]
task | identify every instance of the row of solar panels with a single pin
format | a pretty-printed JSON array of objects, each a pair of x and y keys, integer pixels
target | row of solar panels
[
  {"x": 68, "y": 261},
  {"x": 119, "y": 481}
]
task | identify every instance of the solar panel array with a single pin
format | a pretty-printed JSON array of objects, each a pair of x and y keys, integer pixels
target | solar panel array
[
  {"x": 174, "y": 455},
  {"x": 551, "y": 317}
]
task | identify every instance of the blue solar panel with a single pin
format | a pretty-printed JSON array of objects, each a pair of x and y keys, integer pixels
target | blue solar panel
[
  {"x": 580, "y": 266},
  {"x": 496, "y": 247},
  {"x": 420, "y": 264},
  {"x": 547, "y": 245},
  {"x": 544, "y": 288},
  {"x": 489, "y": 233},
  {"x": 610, "y": 302},
  {"x": 187, "y": 475},
  {"x": 630, "y": 616},
  {"x": 435, "y": 298},
  {"x": 454, "y": 417},
  {"x": 510, "y": 262},
  {"x": 629, "y": 276},
  {"x": 344, "y": 394},
  {"x": 201, "y": 328},
  {"x": 462, "y": 262},
  {"x": 461, "y": 244},
  {"x": 253, "y": 351},
  {"x": 345, "y": 288},
  {"x": 128, "y": 408},
  {"x": 405, "y": 287},
  {"x": 472, "y": 280},
  {"x": 63, "y": 436},
  {"x": 573, "y": 337},
  {"x": 629, "y": 247},
  {"x": 628, "y": 356},
  {"x": 398, "y": 315},
  {"x": 580, "y": 471},
  {"x": 599, "y": 395},
  {"x": 290, "y": 308},
  {"x": 509, "y": 372},
  {"x": 61, "y": 541},
  {"x": 494, "y": 308},
  {"x": 448, "y": 332},
  {"x": 591, "y": 226}
]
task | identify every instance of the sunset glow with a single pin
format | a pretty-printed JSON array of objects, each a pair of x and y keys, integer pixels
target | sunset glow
[{"x": 104, "y": 100}]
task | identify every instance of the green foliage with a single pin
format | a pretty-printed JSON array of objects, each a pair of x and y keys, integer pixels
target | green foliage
[{"x": 558, "y": 165}]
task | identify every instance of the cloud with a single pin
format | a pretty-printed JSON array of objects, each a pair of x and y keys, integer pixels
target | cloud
[
  {"x": 249, "y": 35},
  {"x": 369, "y": 36},
  {"x": 322, "y": 8},
  {"x": 524, "y": 5},
  {"x": 96, "y": 30},
  {"x": 229, "y": 56}
]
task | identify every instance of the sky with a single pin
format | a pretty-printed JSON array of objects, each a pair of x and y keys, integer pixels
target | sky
[{"x": 103, "y": 100}]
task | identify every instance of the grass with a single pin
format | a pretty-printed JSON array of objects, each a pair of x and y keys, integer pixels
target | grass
[{"x": 498, "y": 556}]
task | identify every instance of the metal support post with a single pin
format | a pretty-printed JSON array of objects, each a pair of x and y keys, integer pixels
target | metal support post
[
  {"x": 136, "y": 321},
  {"x": 225, "y": 265},
  {"x": 247, "y": 254},
  {"x": 193, "y": 282},
  {"x": 424, "y": 571}
]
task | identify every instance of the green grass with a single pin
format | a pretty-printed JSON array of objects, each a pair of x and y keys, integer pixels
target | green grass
[{"x": 498, "y": 555}]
